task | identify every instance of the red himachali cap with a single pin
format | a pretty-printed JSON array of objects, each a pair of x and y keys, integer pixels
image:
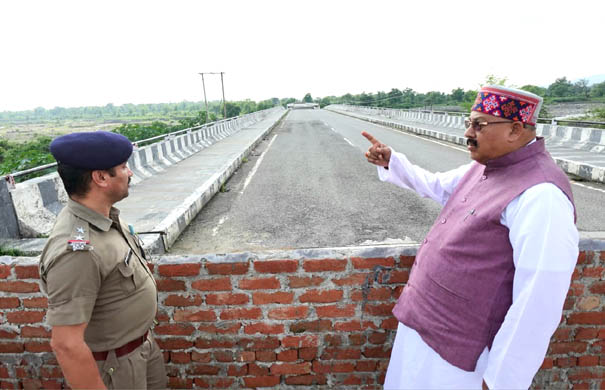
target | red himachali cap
[{"x": 508, "y": 103}]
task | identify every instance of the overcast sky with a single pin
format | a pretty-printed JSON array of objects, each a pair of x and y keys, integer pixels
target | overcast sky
[{"x": 81, "y": 53}]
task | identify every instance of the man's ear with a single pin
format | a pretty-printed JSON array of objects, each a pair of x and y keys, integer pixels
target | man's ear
[
  {"x": 516, "y": 131},
  {"x": 100, "y": 178}
]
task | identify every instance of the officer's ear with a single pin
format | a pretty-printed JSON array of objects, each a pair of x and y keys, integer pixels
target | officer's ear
[{"x": 100, "y": 178}]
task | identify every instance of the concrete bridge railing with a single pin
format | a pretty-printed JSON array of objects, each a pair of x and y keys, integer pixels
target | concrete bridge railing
[{"x": 29, "y": 209}]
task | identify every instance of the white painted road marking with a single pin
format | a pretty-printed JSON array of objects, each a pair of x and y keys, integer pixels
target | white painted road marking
[
  {"x": 215, "y": 229},
  {"x": 260, "y": 159},
  {"x": 350, "y": 143}
]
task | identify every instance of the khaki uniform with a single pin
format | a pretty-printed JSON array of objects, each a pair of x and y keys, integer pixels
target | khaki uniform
[{"x": 94, "y": 271}]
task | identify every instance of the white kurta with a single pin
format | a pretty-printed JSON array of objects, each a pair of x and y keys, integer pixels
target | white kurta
[{"x": 545, "y": 249}]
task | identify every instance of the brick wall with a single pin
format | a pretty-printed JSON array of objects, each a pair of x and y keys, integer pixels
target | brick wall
[{"x": 286, "y": 320}]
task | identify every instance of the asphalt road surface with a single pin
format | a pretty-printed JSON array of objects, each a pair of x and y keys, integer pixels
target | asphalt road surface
[{"x": 308, "y": 185}]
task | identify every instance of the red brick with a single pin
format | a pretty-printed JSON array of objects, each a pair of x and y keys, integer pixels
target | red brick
[
  {"x": 353, "y": 280},
  {"x": 379, "y": 310},
  {"x": 210, "y": 343},
  {"x": 597, "y": 287},
  {"x": 583, "y": 258},
  {"x": 258, "y": 344},
  {"x": 8, "y": 385},
  {"x": 180, "y": 357},
  {"x": 27, "y": 272},
  {"x": 588, "y": 361},
  {"x": 288, "y": 313},
  {"x": 263, "y": 298},
  {"x": 377, "y": 337},
  {"x": 389, "y": 323},
  {"x": 306, "y": 380},
  {"x": 226, "y": 299},
  {"x": 221, "y": 284},
  {"x": 202, "y": 369},
  {"x": 35, "y": 332},
  {"x": 11, "y": 347},
  {"x": 38, "y": 346},
  {"x": 31, "y": 384},
  {"x": 340, "y": 354},
  {"x": 194, "y": 315},
  {"x": 593, "y": 272},
  {"x": 222, "y": 329},
  {"x": 170, "y": 285},
  {"x": 370, "y": 263},
  {"x": 289, "y": 355},
  {"x": 265, "y": 356},
  {"x": 322, "y": 368},
  {"x": 602, "y": 255},
  {"x": 259, "y": 284},
  {"x": 592, "y": 318},
  {"x": 8, "y": 334},
  {"x": 321, "y": 296},
  {"x": 276, "y": 266},
  {"x": 333, "y": 340},
  {"x": 255, "y": 369},
  {"x": 357, "y": 339},
  {"x": 170, "y": 270},
  {"x": 353, "y": 326},
  {"x": 241, "y": 314},
  {"x": 234, "y": 370},
  {"x": 562, "y": 334},
  {"x": 162, "y": 316},
  {"x": 547, "y": 364},
  {"x": 246, "y": 356},
  {"x": 9, "y": 303},
  {"x": 300, "y": 341},
  {"x": 566, "y": 362},
  {"x": 377, "y": 352},
  {"x": 227, "y": 268},
  {"x": 373, "y": 294},
  {"x": 180, "y": 383},
  {"x": 586, "y": 333},
  {"x": 322, "y": 265},
  {"x": 261, "y": 381},
  {"x": 307, "y": 353},
  {"x": 366, "y": 365},
  {"x": 174, "y": 329},
  {"x": 223, "y": 356},
  {"x": 179, "y": 300},
  {"x": 580, "y": 373},
  {"x": 25, "y": 317},
  {"x": 576, "y": 290},
  {"x": 393, "y": 276},
  {"x": 298, "y": 282},
  {"x": 565, "y": 348},
  {"x": 311, "y": 326},
  {"x": 5, "y": 271},
  {"x": 19, "y": 287},
  {"x": 39, "y": 302},
  {"x": 406, "y": 261},
  {"x": 291, "y": 368},
  {"x": 51, "y": 372},
  {"x": 333, "y": 311},
  {"x": 264, "y": 328},
  {"x": 174, "y": 343}
]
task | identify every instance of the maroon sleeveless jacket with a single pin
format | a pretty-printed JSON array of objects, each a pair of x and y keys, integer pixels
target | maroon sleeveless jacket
[{"x": 461, "y": 283}]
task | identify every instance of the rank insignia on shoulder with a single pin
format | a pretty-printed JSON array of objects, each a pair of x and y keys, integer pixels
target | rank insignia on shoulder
[{"x": 79, "y": 245}]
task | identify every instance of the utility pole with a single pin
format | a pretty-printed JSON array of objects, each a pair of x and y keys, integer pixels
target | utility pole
[
  {"x": 223, "y": 87},
  {"x": 224, "y": 102},
  {"x": 205, "y": 100}
]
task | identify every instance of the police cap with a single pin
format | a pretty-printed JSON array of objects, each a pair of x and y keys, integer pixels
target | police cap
[{"x": 91, "y": 150}]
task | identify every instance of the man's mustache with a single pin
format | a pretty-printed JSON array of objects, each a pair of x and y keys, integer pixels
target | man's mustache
[{"x": 472, "y": 142}]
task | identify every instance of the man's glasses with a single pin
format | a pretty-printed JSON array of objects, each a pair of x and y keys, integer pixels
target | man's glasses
[{"x": 479, "y": 125}]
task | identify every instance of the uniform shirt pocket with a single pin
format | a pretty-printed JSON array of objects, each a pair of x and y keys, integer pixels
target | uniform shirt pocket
[{"x": 128, "y": 281}]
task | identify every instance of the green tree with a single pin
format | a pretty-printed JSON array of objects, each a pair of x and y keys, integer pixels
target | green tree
[
  {"x": 598, "y": 90},
  {"x": 458, "y": 94},
  {"x": 540, "y": 91},
  {"x": 561, "y": 87},
  {"x": 233, "y": 109},
  {"x": 308, "y": 98},
  {"x": 492, "y": 79}
]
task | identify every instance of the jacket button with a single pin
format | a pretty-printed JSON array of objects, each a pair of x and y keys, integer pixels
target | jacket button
[
  {"x": 483, "y": 177},
  {"x": 443, "y": 220},
  {"x": 425, "y": 240},
  {"x": 464, "y": 199}
]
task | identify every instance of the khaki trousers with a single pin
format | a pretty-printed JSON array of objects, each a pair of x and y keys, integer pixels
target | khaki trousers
[{"x": 143, "y": 368}]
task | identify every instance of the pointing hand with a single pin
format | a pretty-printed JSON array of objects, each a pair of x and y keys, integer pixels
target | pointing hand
[{"x": 377, "y": 154}]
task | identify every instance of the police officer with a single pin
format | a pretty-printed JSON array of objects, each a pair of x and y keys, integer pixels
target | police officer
[{"x": 102, "y": 298}]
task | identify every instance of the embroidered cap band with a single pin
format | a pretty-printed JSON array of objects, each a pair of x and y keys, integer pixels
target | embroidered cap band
[{"x": 508, "y": 103}]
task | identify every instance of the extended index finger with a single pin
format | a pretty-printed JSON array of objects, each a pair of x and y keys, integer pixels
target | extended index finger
[{"x": 370, "y": 138}]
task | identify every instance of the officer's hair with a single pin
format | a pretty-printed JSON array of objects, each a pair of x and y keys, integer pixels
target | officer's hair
[{"x": 76, "y": 180}]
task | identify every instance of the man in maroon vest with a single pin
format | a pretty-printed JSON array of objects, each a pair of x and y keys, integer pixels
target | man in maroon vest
[{"x": 488, "y": 285}]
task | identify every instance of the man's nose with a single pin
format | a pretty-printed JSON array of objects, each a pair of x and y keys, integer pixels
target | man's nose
[{"x": 469, "y": 132}]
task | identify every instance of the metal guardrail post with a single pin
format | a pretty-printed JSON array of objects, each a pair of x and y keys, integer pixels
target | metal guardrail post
[{"x": 9, "y": 226}]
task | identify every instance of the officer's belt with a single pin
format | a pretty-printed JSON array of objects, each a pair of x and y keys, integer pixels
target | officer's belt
[{"x": 123, "y": 350}]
